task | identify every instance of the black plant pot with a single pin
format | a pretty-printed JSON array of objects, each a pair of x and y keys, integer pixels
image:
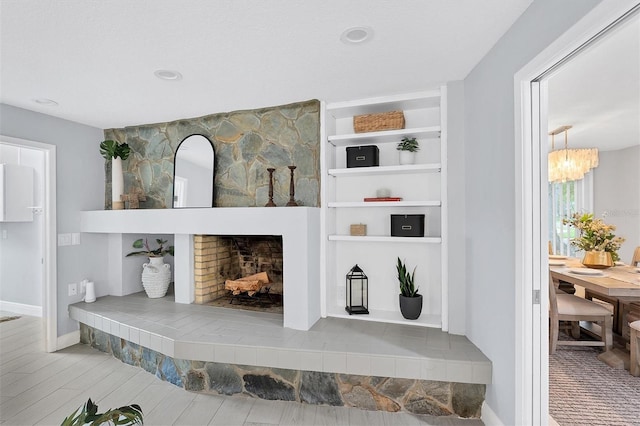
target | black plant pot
[{"x": 411, "y": 307}]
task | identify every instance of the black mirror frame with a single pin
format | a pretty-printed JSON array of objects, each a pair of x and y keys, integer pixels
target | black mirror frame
[{"x": 213, "y": 174}]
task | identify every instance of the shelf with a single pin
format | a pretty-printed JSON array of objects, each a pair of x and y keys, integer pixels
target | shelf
[
  {"x": 388, "y": 136},
  {"x": 385, "y": 239},
  {"x": 422, "y": 100},
  {"x": 351, "y": 204},
  {"x": 394, "y": 317},
  {"x": 383, "y": 170}
]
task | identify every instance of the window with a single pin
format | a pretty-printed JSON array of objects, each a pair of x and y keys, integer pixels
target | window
[{"x": 565, "y": 199}]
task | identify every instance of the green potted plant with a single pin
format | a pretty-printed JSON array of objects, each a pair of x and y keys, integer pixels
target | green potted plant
[
  {"x": 408, "y": 148},
  {"x": 410, "y": 300},
  {"x": 156, "y": 275},
  {"x": 112, "y": 150},
  {"x": 88, "y": 415}
]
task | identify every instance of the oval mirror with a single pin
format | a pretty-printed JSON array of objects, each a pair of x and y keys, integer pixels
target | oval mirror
[{"x": 193, "y": 173}]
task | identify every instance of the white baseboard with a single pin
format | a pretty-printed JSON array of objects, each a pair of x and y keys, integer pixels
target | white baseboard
[
  {"x": 68, "y": 339},
  {"x": 489, "y": 417},
  {"x": 22, "y": 309}
]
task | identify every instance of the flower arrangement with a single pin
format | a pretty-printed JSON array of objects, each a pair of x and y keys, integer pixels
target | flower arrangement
[{"x": 595, "y": 235}]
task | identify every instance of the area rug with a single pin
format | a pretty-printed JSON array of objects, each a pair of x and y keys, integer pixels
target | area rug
[
  {"x": 4, "y": 319},
  {"x": 585, "y": 391}
]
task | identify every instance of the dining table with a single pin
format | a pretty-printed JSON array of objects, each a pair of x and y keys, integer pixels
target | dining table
[
  {"x": 620, "y": 284},
  {"x": 617, "y": 281}
]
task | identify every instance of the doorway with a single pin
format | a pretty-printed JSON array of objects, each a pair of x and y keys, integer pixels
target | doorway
[
  {"x": 531, "y": 126},
  {"x": 44, "y": 158}
]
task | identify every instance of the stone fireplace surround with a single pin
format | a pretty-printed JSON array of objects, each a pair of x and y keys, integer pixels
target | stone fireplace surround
[{"x": 298, "y": 226}]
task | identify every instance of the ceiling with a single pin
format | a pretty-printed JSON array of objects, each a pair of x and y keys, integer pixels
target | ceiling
[
  {"x": 598, "y": 92},
  {"x": 97, "y": 59}
]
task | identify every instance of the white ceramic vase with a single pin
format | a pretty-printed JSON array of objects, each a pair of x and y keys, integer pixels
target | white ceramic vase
[
  {"x": 156, "y": 276},
  {"x": 407, "y": 157},
  {"x": 117, "y": 184}
]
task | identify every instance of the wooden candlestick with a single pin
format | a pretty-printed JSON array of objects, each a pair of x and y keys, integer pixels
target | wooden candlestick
[
  {"x": 292, "y": 190},
  {"x": 270, "y": 203}
]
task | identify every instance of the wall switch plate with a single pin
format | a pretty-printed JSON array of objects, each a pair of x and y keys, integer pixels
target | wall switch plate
[
  {"x": 4, "y": 234},
  {"x": 75, "y": 239},
  {"x": 64, "y": 240},
  {"x": 73, "y": 289}
]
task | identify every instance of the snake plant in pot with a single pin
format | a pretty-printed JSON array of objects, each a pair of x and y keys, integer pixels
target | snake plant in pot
[{"x": 410, "y": 300}]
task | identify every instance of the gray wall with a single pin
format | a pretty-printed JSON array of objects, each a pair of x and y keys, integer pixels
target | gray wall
[
  {"x": 490, "y": 190},
  {"x": 21, "y": 242},
  {"x": 616, "y": 193},
  {"x": 80, "y": 183},
  {"x": 456, "y": 209}
]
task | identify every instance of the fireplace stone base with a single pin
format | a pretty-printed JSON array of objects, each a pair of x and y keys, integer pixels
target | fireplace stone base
[{"x": 435, "y": 398}]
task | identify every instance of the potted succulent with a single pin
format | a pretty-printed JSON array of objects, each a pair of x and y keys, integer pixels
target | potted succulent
[
  {"x": 408, "y": 148},
  {"x": 112, "y": 150},
  {"x": 410, "y": 300},
  {"x": 156, "y": 275}
]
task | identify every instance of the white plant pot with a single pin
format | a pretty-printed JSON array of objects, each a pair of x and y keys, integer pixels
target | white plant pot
[
  {"x": 117, "y": 184},
  {"x": 156, "y": 276},
  {"x": 407, "y": 157}
]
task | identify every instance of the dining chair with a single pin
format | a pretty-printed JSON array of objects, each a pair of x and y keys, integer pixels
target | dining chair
[
  {"x": 634, "y": 367},
  {"x": 567, "y": 307},
  {"x": 635, "y": 260}
]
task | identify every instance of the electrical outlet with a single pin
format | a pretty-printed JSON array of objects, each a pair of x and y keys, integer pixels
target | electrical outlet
[
  {"x": 4, "y": 234},
  {"x": 73, "y": 289}
]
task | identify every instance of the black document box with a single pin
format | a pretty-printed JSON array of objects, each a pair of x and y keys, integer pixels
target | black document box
[
  {"x": 363, "y": 156},
  {"x": 407, "y": 225}
]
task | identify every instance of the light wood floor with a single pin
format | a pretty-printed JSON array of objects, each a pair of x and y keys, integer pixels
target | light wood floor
[{"x": 39, "y": 388}]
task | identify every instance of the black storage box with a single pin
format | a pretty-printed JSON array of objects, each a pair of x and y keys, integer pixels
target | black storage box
[
  {"x": 407, "y": 225},
  {"x": 363, "y": 156}
]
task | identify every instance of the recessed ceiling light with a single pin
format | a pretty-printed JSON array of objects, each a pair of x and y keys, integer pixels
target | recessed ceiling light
[
  {"x": 356, "y": 35},
  {"x": 45, "y": 101},
  {"x": 168, "y": 75}
]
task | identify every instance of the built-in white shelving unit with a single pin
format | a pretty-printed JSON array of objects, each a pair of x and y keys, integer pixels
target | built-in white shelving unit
[{"x": 422, "y": 188}]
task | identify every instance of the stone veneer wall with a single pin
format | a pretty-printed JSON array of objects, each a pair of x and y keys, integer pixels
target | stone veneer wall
[
  {"x": 369, "y": 393},
  {"x": 218, "y": 258},
  {"x": 246, "y": 143}
]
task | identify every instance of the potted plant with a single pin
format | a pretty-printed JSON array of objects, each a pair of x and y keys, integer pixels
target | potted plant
[
  {"x": 112, "y": 150},
  {"x": 156, "y": 275},
  {"x": 408, "y": 148},
  {"x": 410, "y": 300},
  {"x": 596, "y": 239},
  {"x": 88, "y": 415}
]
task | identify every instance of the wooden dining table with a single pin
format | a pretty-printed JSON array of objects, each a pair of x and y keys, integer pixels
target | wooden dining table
[{"x": 617, "y": 281}]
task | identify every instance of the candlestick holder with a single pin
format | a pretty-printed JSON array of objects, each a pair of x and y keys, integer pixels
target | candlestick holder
[
  {"x": 270, "y": 203},
  {"x": 292, "y": 190}
]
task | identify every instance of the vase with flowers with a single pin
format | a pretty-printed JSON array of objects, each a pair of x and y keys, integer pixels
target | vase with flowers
[{"x": 596, "y": 239}]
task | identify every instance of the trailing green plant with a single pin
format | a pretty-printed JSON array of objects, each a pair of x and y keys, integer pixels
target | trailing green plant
[
  {"x": 112, "y": 149},
  {"x": 142, "y": 243},
  {"x": 406, "y": 280},
  {"x": 88, "y": 415},
  {"x": 408, "y": 144}
]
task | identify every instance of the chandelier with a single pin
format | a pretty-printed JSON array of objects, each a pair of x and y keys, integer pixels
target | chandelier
[{"x": 569, "y": 164}]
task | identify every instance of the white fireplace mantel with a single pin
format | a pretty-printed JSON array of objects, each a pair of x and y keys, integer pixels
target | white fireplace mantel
[{"x": 298, "y": 226}]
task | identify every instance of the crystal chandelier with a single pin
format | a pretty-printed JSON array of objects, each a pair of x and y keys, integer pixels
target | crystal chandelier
[{"x": 569, "y": 164}]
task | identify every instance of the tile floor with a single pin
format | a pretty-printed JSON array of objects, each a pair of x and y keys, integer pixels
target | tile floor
[{"x": 336, "y": 345}]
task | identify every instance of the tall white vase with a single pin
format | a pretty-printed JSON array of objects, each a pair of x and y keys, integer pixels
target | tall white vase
[
  {"x": 117, "y": 184},
  {"x": 156, "y": 277}
]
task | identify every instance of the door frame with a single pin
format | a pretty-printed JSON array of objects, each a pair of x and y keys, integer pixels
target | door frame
[
  {"x": 49, "y": 281},
  {"x": 530, "y": 109}
]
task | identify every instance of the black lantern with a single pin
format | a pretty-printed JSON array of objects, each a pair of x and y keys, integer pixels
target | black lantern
[{"x": 357, "y": 291}]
